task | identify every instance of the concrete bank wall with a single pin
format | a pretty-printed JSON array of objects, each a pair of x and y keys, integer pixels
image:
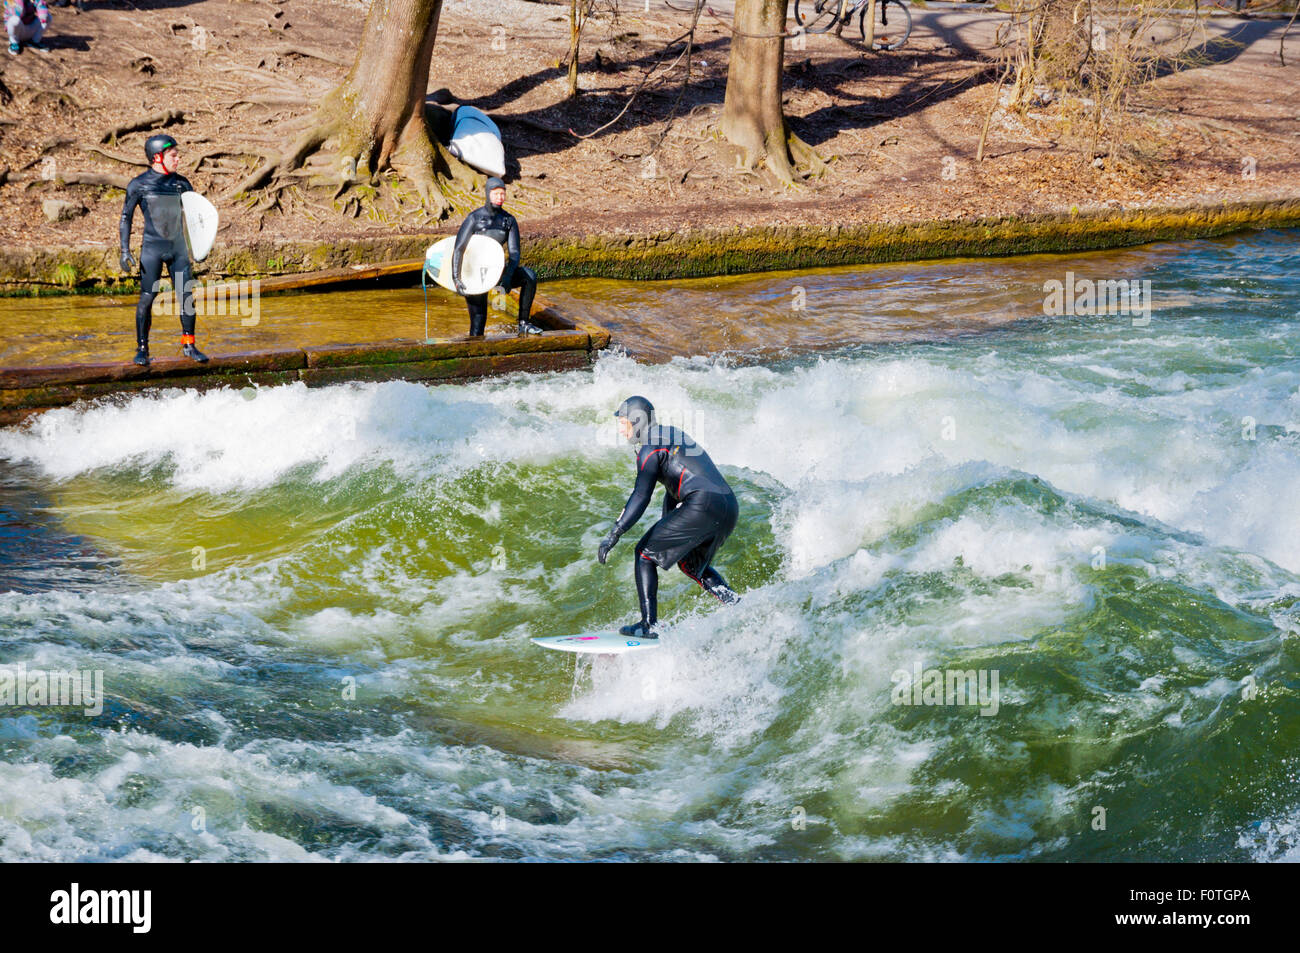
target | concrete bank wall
[{"x": 686, "y": 253}]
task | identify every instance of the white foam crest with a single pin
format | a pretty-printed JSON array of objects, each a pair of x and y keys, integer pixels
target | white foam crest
[
  {"x": 220, "y": 440},
  {"x": 91, "y": 817},
  {"x": 716, "y": 670},
  {"x": 1273, "y": 840}
]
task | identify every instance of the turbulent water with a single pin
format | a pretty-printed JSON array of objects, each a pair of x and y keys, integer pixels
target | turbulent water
[{"x": 311, "y": 607}]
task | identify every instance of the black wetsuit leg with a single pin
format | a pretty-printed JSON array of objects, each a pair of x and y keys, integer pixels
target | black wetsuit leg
[
  {"x": 647, "y": 589},
  {"x": 152, "y": 260},
  {"x": 178, "y": 267},
  {"x": 689, "y": 536},
  {"x": 478, "y": 310},
  {"x": 151, "y": 266},
  {"x": 696, "y": 563},
  {"x": 525, "y": 279}
]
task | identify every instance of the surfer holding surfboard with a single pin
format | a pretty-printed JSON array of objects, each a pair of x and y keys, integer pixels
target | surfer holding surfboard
[
  {"x": 700, "y": 511},
  {"x": 496, "y": 223},
  {"x": 157, "y": 191}
]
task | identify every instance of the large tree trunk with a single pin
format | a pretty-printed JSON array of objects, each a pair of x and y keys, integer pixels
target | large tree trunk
[
  {"x": 381, "y": 101},
  {"x": 376, "y": 115},
  {"x": 752, "y": 118}
]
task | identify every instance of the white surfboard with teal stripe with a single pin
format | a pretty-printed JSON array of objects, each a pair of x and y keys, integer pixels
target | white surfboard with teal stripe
[{"x": 596, "y": 643}]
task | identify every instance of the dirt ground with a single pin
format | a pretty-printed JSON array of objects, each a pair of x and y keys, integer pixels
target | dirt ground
[{"x": 900, "y": 128}]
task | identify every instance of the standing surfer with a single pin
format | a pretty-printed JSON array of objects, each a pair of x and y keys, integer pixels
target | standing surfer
[
  {"x": 699, "y": 512},
  {"x": 495, "y": 222},
  {"x": 157, "y": 191}
]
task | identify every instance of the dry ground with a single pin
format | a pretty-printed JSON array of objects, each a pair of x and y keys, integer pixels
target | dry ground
[{"x": 901, "y": 128}]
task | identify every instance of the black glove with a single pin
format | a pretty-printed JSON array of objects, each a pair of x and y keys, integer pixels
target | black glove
[
  {"x": 127, "y": 262},
  {"x": 460, "y": 288},
  {"x": 606, "y": 545}
]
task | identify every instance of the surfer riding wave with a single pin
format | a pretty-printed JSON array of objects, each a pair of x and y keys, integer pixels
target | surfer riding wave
[{"x": 699, "y": 512}]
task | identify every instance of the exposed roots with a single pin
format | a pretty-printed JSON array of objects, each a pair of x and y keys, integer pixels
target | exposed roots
[
  {"x": 145, "y": 122},
  {"x": 807, "y": 160},
  {"x": 788, "y": 158},
  {"x": 364, "y": 147},
  {"x": 307, "y": 143}
]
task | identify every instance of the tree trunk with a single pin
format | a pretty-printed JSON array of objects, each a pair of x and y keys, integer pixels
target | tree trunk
[
  {"x": 383, "y": 93},
  {"x": 575, "y": 38},
  {"x": 752, "y": 118},
  {"x": 376, "y": 114}
]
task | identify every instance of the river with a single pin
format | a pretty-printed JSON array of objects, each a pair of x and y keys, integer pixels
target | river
[{"x": 311, "y": 608}]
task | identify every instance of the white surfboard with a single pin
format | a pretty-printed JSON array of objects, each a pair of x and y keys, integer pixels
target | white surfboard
[
  {"x": 476, "y": 140},
  {"x": 480, "y": 266},
  {"x": 596, "y": 643},
  {"x": 200, "y": 224}
]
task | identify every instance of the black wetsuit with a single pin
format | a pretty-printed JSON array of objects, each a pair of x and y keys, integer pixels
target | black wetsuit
[
  {"x": 699, "y": 514},
  {"x": 499, "y": 225},
  {"x": 159, "y": 199}
]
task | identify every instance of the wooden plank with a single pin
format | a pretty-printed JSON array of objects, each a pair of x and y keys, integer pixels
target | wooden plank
[
  {"x": 277, "y": 359},
  {"x": 61, "y": 395},
  {"x": 11, "y": 418},
  {"x": 548, "y": 314},
  {"x": 347, "y": 355},
  {"x": 449, "y": 369}
]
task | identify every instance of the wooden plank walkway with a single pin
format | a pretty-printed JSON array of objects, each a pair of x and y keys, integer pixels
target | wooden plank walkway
[{"x": 568, "y": 341}]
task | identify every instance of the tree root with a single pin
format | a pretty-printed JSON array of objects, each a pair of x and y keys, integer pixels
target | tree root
[
  {"x": 225, "y": 151},
  {"x": 308, "y": 142},
  {"x": 806, "y": 158},
  {"x": 147, "y": 122},
  {"x": 62, "y": 98},
  {"x": 534, "y": 124},
  {"x": 313, "y": 53},
  {"x": 110, "y": 155},
  {"x": 269, "y": 102},
  {"x": 75, "y": 178}
]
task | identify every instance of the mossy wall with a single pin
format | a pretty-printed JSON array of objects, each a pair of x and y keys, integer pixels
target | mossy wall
[
  {"x": 690, "y": 254},
  {"x": 698, "y": 254}
]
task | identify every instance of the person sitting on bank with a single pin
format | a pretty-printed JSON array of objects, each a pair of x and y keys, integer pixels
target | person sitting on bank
[
  {"x": 495, "y": 222},
  {"x": 26, "y": 21}
]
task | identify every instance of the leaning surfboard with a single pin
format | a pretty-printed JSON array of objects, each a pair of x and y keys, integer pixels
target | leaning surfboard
[
  {"x": 200, "y": 224},
  {"x": 480, "y": 266},
  {"x": 596, "y": 643},
  {"x": 476, "y": 140}
]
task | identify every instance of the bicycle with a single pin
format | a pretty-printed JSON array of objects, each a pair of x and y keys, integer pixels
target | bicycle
[{"x": 827, "y": 14}]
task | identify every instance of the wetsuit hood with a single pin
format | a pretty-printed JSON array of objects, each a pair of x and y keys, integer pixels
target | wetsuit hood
[
  {"x": 492, "y": 183},
  {"x": 642, "y": 414}
]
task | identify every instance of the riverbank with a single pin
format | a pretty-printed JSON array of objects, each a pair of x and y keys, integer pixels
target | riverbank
[
  {"x": 666, "y": 254},
  {"x": 650, "y": 195}
]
